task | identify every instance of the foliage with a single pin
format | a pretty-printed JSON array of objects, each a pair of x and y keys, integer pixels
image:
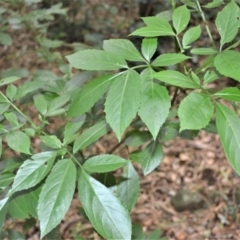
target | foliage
[{"x": 134, "y": 97}]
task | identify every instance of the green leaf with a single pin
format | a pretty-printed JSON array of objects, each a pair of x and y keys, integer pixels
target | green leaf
[
  {"x": 32, "y": 198},
  {"x": 203, "y": 51},
  {"x": 156, "y": 26},
  {"x": 175, "y": 78},
  {"x": 104, "y": 210},
  {"x": 18, "y": 141},
  {"x": 71, "y": 128},
  {"x": 56, "y": 195},
  {"x": 155, "y": 105},
  {"x": 8, "y": 80},
  {"x": 227, "y": 22},
  {"x": 136, "y": 138},
  {"x": 195, "y": 111},
  {"x": 96, "y": 60},
  {"x": 104, "y": 163},
  {"x": 57, "y": 103},
  {"x": 195, "y": 78},
  {"x": 149, "y": 47},
  {"x": 51, "y": 141},
  {"x": 123, "y": 48},
  {"x": 18, "y": 208},
  {"x": 228, "y": 64},
  {"x": 12, "y": 118},
  {"x": 190, "y": 36},
  {"x": 89, "y": 95},
  {"x": 149, "y": 158},
  {"x": 168, "y": 131},
  {"x": 228, "y": 129},
  {"x": 5, "y": 180},
  {"x": 3, "y": 211},
  {"x": 41, "y": 104},
  {"x": 4, "y": 107},
  {"x": 32, "y": 171},
  {"x": 11, "y": 91},
  {"x": 169, "y": 59},
  {"x": 123, "y": 101},
  {"x": 56, "y": 112},
  {"x": 180, "y": 18},
  {"x": 91, "y": 135},
  {"x": 213, "y": 4},
  {"x": 210, "y": 76},
  {"x": 128, "y": 190},
  {"x": 5, "y": 39},
  {"x": 29, "y": 131},
  {"x": 231, "y": 94}
]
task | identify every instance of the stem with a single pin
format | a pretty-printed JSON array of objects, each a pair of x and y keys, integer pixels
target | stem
[
  {"x": 19, "y": 111},
  {"x": 74, "y": 159},
  {"x": 139, "y": 66},
  {"x": 179, "y": 44},
  {"x": 206, "y": 24},
  {"x": 174, "y": 96}
]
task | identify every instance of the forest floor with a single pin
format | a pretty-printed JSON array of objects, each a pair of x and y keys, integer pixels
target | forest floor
[{"x": 193, "y": 194}]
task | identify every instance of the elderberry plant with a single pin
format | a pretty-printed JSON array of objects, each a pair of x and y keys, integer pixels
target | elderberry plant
[{"x": 141, "y": 107}]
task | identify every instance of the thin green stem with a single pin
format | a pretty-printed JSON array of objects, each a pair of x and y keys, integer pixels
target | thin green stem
[
  {"x": 19, "y": 111},
  {"x": 74, "y": 159},
  {"x": 139, "y": 66},
  {"x": 206, "y": 24},
  {"x": 179, "y": 44}
]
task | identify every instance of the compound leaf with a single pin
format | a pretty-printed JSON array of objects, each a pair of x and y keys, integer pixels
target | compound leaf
[
  {"x": 96, "y": 60},
  {"x": 228, "y": 64},
  {"x": 123, "y": 101},
  {"x": 175, "y": 78},
  {"x": 228, "y": 129},
  {"x": 195, "y": 111},
  {"x": 104, "y": 210},
  {"x": 56, "y": 195},
  {"x": 123, "y": 48},
  {"x": 104, "y": 163}
]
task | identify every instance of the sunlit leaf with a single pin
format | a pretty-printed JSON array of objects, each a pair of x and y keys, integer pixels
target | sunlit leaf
[
  {"x": 124, "y": 48},
  {"x": 195, "y": 111},
  {"x": 104, "y": 210},
  {"x": 228, "y": 64},
  {"x": 104, "y": 163},
  {"x": 96, "y": 60},
  {"x": 56, "y": 195},
  {"x": 122, "y": 101}
]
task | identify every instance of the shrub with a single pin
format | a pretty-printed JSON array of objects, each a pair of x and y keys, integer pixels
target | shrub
[{"x": 140, "y": 106}]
